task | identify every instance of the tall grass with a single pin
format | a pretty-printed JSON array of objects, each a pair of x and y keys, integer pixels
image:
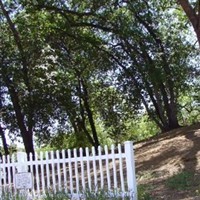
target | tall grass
[
  {"x": 87, "y": 195},
  {"x": 7, "y": 195},
  {"x": 62, "y": 195}
]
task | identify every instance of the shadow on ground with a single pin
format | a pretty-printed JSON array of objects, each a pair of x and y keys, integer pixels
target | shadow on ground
[{"x": 165, "y": 156}]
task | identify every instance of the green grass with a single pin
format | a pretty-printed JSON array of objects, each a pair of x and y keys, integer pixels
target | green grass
[
  {"x": 56, "y": 196},
  {"x": 87, "y": 195},
  {"x": 6, "y": 195},
  {"x": 143, "y": 194},
  {"x": 180, "y": 181}
]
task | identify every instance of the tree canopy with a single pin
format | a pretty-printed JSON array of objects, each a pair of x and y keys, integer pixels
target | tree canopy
[{"x": 86, "y": 69}]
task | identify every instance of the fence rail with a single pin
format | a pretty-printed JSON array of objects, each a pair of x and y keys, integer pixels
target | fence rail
[{"x": 72, "y": 171}]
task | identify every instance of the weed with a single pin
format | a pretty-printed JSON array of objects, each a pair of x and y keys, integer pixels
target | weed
[
  {"x": 180, "y": 181},
  {"x": 56, "y": 196},
  {"x": 146, "y": 175},
  {"x": 6, "y": 195},
  {"x": 103, "y": 195},
  {"x": 143, "y": 192},
  {"x": 86, "y": 195}
]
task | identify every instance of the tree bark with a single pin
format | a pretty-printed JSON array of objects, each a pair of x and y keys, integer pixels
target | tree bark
[
  {"x": 5, "y": 146},
  {"x": 26, "y": 129},
  {"x": 168, "y": 98},
  {"x": 89, "y": 114},
  {"x": 193, "y": 16},
  {"x": 81, "y": 122},
  {"x": 27, "y": 135}
]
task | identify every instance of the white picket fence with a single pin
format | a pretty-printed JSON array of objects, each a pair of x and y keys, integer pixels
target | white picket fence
[{"x": 72, "y": 171}]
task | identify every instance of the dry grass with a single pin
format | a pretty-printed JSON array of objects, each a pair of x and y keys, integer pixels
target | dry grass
[{"x": 165, "y": 156}]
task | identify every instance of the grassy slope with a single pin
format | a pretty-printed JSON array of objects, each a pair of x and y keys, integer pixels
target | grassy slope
[{"x": 168, "y": 166}]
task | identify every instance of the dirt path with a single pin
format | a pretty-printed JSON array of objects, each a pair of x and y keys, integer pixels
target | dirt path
[{"x": 167, "y": 155}]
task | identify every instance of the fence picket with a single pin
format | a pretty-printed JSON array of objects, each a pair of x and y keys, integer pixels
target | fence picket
[
  {"x": 53, "y": 171},
  {"x": 121, "y": 167},
  {"x": 100, "y": 167},
  {"x": 107, "y": 167},
  {"x": 42, "y": 172},
  {"x": 47, "y": 170},
  {"x": 32, "y": 170},
  {"x": 64, "y": 171},
  {"x": 13, "y": 169},
  {"x": 1, "y": 175},
  {"x": 88, "y": 169},
  {"x": 37, "y": 174},
  {"x": 130, "y": 168},
  {"x": 70, "y": 172},
  {"x": 4, "y": 172},
  {"x": 82, "y": 169},
  {"x": 58, "y": 169},
  {"x": 74, "y": 171},
  {"x": 9, "y": 170},
  {"x": 94, "y": 169},
  {"x": 114, "y": 166}
]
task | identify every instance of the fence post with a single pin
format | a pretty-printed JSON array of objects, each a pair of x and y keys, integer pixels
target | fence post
[
  {"x": 130, "y": 167},
  {"x": 22, "y": 167},
  {"x": 22, "y": 160}
]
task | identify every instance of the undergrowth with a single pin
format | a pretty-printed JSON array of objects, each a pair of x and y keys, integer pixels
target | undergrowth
[
  {"x": 143, "y": 194},
  {"x": 180, "y": 181}
]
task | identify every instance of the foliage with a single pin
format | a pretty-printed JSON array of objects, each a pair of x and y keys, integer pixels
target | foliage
[
  {"x": 74, "y": 73},
  {"x": 143, "y": 193},
  {"x": 62, "y": 195},
  {"x": 141, "y": 128},
  {"x": 8, "y": 195},
  {"x": 100, "y": 195},
  {"x": 56, "y": 196},
  {"x": 12, "y": 148},
  {"x": 68, "y": 141},
  {"x": 189, "y": 109},
  {"x": 88, "y": 195},
  {"x": 192, "y": 10},
  {"x": 180, "y": 181}
]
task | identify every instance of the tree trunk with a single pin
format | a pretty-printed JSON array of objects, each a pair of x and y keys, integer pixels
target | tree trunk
[
  {"x": 193, "y": 15},
  {"x": 26, "y": 134},
  {"x": 28, "y": 143},
  {"x": 5, "y": 146},
  {"x": 90, "y": 115},
  {"x": 173, "y": 119},
  {"x": 25, "y": 129},
  {"x": 2, "y": 133},
  {"x": 81, "y": 122}
]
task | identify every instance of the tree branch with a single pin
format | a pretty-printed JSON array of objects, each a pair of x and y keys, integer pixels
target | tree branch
[
  {"x": 15, "y": 33},
  {"x": 18, "y": 42},
  {"x": 190, "y": 12},
  {"x": 192, "y": 15},
  {"x": 62, "y": 11}
]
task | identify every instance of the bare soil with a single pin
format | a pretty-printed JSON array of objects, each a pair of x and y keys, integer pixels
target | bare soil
[{"x": 166, "y": 155}]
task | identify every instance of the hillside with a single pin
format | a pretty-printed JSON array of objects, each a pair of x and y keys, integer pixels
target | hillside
[{"x": 168, "y": 166}]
